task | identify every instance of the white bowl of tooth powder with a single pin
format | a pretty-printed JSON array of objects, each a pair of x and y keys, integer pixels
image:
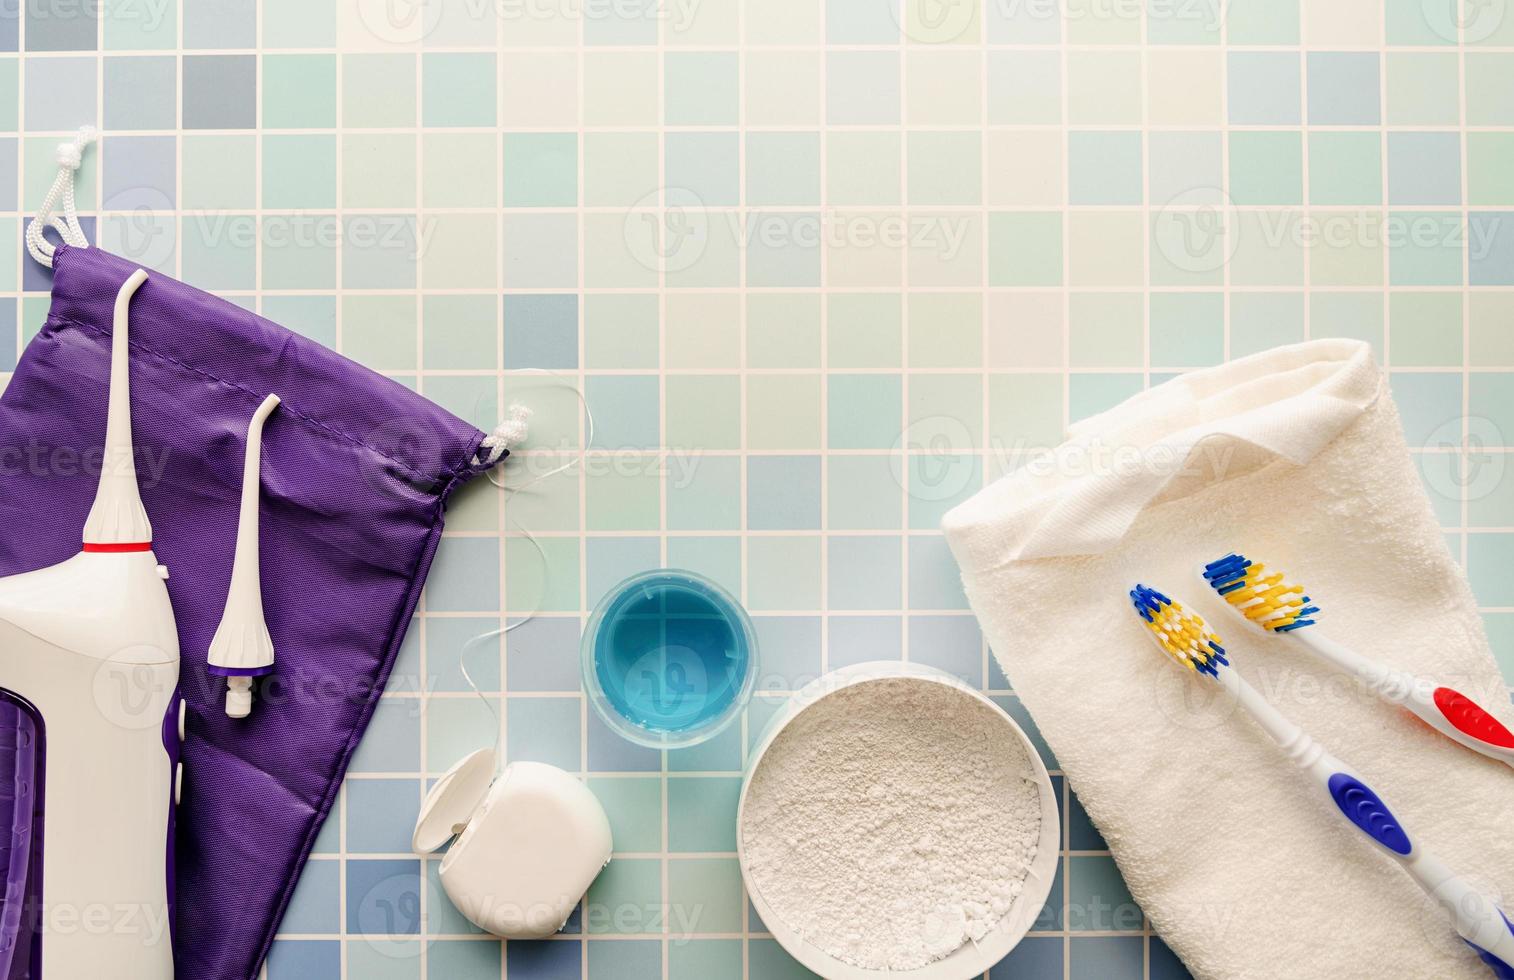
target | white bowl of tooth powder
[{"x": 895, "y": 823}]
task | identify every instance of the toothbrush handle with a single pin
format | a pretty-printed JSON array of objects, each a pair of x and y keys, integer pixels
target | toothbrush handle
[
  {"x": 1459, "y": 717},
  {"x": 1444, "y": 709},
  {"x": 1476, "y": 916}
]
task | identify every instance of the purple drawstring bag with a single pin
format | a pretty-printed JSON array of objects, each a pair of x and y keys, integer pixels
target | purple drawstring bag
[{"x": 356, "y": 472}]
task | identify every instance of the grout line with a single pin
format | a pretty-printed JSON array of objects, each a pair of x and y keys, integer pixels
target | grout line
[
  {"x": 1149, "y": 295},
  {"x": 501, "y": 324},
  {"x": 905, "y": 355},
  {"x": 1067, "y": 326},
  {"x": 520, "y": 49},
  {"x": 827, "y": 529},
  {"x": 1464, "y": 461},
  {"x": 1385, "y": 213},
  {"x": 661, "y": 249},
  {"x": 1228, "y": 215},
  {"x": 423, "y": 682},
  {"x": 1304, "y": 131},
  {"x": 580, "y": 417},
  {"x": 744, "y": 333},
  {"x": 1146, "y": 257}
]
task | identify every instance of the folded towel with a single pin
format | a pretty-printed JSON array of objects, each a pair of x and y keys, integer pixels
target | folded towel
[{"x": 1296, "y": 457}]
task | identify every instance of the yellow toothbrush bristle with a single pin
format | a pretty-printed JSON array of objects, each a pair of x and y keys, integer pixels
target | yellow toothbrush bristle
[
  {"x": 1264, "y": 597},
  {"x": 1184, "y": 636}
]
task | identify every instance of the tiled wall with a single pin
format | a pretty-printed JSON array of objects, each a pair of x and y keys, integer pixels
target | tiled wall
[{"x": 765, "y": 237}]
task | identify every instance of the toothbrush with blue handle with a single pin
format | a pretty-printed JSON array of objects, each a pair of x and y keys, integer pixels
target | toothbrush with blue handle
[
  {"x": 1270, "y": 601},
  {"x": 1187, "y": 639}
]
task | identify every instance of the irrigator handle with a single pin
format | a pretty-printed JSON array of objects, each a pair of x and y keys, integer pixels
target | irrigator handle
[
  {"x": 242, "y": 648},
  {"x": 118, "y": 521}
]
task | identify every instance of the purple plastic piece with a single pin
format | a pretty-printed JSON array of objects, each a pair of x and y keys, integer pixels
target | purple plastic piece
[
  {"x": 175, "y": 749},
  {"x": 1501, "y": 970},
  {"x": 239, "y": 671},
  {"x": 23, "y": 765},
  {"x": 356, "y": 472}
]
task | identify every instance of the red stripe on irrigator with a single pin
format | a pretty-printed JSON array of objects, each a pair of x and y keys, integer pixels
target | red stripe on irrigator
[
  {"x": 1472, "y": 720},
  {"x": 115, "y": 549}
]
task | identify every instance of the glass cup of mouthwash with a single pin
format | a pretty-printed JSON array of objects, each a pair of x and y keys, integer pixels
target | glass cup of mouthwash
[{"x": 669, "y": 658}]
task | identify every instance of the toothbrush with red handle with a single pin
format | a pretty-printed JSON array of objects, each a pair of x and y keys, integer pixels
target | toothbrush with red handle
[{"x": 1268, "y": 600}]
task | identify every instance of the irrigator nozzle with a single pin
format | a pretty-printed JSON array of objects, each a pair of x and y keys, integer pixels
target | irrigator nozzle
[
  {"x": 118, "y": 521},
  {"x": 241, "y": 648}
]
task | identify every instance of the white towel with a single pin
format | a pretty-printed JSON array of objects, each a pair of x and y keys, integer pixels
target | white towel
[{"x": 1297, "y": 458}]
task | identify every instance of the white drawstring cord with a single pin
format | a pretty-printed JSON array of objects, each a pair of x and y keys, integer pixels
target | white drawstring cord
[
  {"x": 515, "y": 425},
  {"x": 509, "y": 434},
  {"x": 70, "y": 156}
]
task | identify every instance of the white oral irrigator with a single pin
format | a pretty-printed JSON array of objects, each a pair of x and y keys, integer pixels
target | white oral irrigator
[
  {"x": 90, "y": 725},
  {"x": 242, "y": 649}
]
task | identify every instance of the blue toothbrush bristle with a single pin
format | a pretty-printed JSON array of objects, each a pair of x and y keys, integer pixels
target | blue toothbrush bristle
[
  {"x": 1185, "y": 637},
  {"x": 1227, "y": 574},
  {"x": 1265, "y": 598},
  {"x": 1148, "y": 602}
]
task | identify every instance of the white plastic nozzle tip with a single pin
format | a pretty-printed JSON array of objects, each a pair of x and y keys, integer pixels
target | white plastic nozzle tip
[
  {"x": 117, "y": 516},
  {"x": 242, "y": 640},
  {"x": 238, "y": 697}
]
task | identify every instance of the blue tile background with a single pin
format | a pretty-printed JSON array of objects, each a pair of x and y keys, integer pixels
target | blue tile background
[{"x": 627, "y": 205}]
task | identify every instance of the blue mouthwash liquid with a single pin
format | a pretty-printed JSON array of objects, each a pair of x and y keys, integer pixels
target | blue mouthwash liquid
[{"x": 671, "y": 654}]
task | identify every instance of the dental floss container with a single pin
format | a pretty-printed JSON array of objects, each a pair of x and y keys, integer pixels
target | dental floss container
[
  {"x": 241, "y": 648},
  {"x": 528, "y": 843},
  {"x": 90, "y": 726}
]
